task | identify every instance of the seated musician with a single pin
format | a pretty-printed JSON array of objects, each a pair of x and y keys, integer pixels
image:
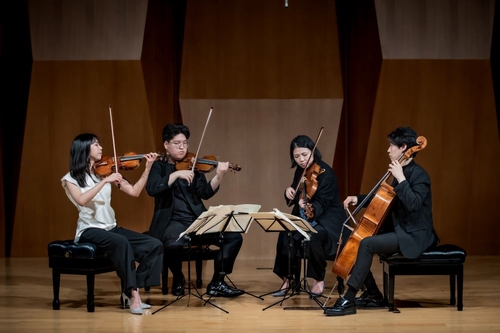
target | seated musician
[
  {"x": 326, "y": 217},
  {"x": 408, "y": 229},
  {"x": 178, "y": 203}
]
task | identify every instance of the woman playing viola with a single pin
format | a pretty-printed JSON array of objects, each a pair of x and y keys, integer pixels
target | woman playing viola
[{"x": 323, "y": 210}]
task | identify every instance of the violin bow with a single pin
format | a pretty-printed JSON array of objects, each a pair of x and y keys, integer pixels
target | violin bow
[
  {"x": 113, "y": 138},
  {"x": 201, "y": 140}
]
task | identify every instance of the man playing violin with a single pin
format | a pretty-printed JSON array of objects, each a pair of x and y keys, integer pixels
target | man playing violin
[
  {"x": 178, "y": 203},
  {"x": 321, "y": 206},
  {"x": 408, "y": 228}
]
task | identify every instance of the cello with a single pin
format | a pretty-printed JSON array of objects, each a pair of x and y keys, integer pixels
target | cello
[{"x": 371, "y": 221}]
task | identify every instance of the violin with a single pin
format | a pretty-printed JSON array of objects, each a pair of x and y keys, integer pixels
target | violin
[
  {"x": 203, "y": 165},
  {"x": 107, "y": 165}
]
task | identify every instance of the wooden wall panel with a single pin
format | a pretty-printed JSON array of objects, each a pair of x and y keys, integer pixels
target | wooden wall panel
[
  {"x": 458, "y": 119},
  {"x": 161, "y": 61},
  {"x": 427, "y": 29},
  {"x": 449, "y": 101},
  {"x": 66, "y": 99},
  {"x": 260, "y": 65},
  {"x": 87, "y": 30},
  {"x": 361, "y": 58},
  {"x": 271, "y": 73},
  {"x": 260, "y": 49},
  {"x": 256, "y": 135}
]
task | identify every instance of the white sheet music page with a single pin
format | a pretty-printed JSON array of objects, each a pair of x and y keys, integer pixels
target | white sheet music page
[
  {"x": 200, "y": 221},
  {"x": 229, "y": 218}
]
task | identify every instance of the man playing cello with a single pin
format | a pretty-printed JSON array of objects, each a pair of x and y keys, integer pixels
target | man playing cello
[{"x": 408, "y": 229}]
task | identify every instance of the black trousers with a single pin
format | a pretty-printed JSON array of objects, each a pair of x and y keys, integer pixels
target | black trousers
[
  {"x": 368, "y": 247},
  {"x": 223, "y": 264},
  {"x": 316, "y": 254},
  {"x": 125, "y": 248}
]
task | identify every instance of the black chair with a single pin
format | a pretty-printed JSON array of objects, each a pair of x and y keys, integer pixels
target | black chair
[
  {"x": 66, "y": 257},
  {"x": 198, "y": 254},
  {"x": 446, "y": 259}
]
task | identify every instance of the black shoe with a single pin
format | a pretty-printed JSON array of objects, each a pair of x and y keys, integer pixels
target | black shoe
[
  {"x": 280, "y": 293},
  {"x": 293, "y": 288},
  {"x": 367, "y": 301},
  {"x": 341, "y": 307},
  {"x": 178, "y": 286},
  {"x": 221, "y": 289}
]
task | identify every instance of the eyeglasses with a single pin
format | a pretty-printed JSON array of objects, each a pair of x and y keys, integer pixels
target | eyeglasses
[{"x": 179, "y": 144}]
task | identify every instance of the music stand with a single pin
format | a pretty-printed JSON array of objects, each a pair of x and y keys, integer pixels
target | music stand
[
  {"x": 229, "y": 218},
  {"x": 276, "y": 222},
  {"x": 195, "y": 226}
]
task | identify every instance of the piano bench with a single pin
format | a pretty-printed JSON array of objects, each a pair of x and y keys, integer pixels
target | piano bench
[
  {"x": 446, "y": 259},
  {"x": 66, "y": 257}
]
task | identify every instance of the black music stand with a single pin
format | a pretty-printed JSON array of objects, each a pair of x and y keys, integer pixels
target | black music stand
[
  {"x": 276, "y": 222},
  {"x": 227, "y": 219},
  {"x": 201, "y": 221}
]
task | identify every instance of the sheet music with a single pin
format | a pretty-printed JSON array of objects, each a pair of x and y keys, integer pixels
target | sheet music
[
  {"x": 239, "y": 215},
  {"x": 278, "y": 221},
  {"x": 199, "y": 222},
  {"x": 282, "y": 216}
]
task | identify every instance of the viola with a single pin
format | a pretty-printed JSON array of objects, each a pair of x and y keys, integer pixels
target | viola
[
  {"x": 369, "y": 224},
  {"x": 107, "y": 165},
  {"x": 203, "y": 165},
  {"x": 309, "y": 187}
]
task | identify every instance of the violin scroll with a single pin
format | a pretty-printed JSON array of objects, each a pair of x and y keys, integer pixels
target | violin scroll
[{"x": 309, "y": 211}]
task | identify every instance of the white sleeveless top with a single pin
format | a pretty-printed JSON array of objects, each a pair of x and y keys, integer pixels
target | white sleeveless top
[{"x": 97, "y": 213}]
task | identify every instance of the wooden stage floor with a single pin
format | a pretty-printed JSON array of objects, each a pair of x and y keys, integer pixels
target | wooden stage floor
[{"x": 26, "y": 304}]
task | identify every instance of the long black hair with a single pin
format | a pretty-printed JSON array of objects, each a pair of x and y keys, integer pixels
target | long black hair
[
  {"x": 79, "y": 157},
  {"x": 303, "y": 141}
]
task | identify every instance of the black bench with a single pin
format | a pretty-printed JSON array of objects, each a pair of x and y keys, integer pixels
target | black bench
[
  {"x": 66, "y": 257},
  {"x": 198, "y": 254},
  {"x": 446, "y": 259}
]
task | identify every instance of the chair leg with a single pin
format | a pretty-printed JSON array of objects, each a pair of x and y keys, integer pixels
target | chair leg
[
  {"x": 164, "y": 277},
  {"x": 460, "y": 287},
  {"x": 452, "y": 289},
  {"x": 390, "y": 303},
  {"x": 56, "y": 282},
  {"x": 386, "y": 286},
  {"x": 90, "y": 292}
]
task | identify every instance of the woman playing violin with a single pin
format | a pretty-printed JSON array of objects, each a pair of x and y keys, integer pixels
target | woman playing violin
[
  {"x": 408, "y": 228},
  {"x": 320, "y": 206},
  {"x": 91, "y": 194},
  {"x": 178, "y": 203}
]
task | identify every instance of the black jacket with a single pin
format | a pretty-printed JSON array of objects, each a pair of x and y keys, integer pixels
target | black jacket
[
  {"x": 411, "y": 211},
  {"x": 157, "y": 187},
  {"x": 328, "y": 209}
]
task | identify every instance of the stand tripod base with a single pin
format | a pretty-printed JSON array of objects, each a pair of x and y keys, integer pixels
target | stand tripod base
[
  {"x": 306, "y": 290},
  {"x": 188, "y": 294},
  {"x": 244, "y": 292}
]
